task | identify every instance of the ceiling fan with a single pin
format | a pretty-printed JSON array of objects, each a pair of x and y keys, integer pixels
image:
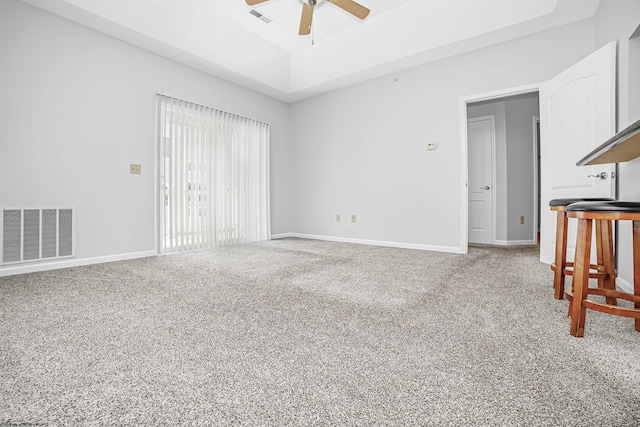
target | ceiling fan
[{"x": 356, "y": 9}]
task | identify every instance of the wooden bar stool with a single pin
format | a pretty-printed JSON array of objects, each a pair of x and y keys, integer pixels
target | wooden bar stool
[
  {"x": 586, "y": 213},
  {"x": 561, "y": 267}
]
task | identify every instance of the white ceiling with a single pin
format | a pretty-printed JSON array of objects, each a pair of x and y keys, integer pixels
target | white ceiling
[{"x": 221, "y": 37}]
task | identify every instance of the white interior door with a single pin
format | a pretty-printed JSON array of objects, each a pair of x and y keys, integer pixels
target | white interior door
[
  {"x": 481, "y": 141},
  {"x": 577, "y": 114}
]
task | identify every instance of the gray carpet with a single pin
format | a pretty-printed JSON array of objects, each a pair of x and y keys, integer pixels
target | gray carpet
[{"x": 297, "y": 332}]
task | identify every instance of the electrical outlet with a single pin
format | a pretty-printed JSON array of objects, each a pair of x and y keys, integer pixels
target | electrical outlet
[
  {"x": 338, "y": 218},
  {"x": 353, "y": 218},
  {"x": 135, "y": 169},
  {"x": 522, "y": 219}
]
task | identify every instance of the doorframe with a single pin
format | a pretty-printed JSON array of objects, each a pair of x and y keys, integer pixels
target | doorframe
[
  {"x": 492, "y": 122},
  {"x": 464, "y": 147},
  {"x": 536, "y": 173}
]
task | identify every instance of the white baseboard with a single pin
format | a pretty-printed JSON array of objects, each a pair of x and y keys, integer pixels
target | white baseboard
[
  {"x": 71, "y": 262},
  {"x": 281, "y": 236},
  {"x": 515, "y": 242},
  {"x": 449, "y": 249}
]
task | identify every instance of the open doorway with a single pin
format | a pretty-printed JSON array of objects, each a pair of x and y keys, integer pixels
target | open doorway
[{"x": 513, "y": 185}]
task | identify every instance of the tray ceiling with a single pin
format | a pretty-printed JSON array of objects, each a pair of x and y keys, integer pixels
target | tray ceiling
[{"x": 223, "y": 38}]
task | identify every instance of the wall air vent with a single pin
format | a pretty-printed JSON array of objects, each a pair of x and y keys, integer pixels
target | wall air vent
[
  {"x": 37, "y": 234},
  {"x": 260, "y": 16}
]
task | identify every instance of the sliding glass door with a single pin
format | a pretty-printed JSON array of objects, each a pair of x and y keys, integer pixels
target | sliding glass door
[{"x": 214, "y": 177}]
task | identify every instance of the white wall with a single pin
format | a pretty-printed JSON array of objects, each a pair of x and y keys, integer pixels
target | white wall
[
  {"x": 78, "y": 107},
  {"x": 521, "y": 195},
  {"x": 361, "y": 150},
  {"x": 633, "y": 103},
  {"x": 617, "y": 20},
  {"x": 515, "y": 164}
]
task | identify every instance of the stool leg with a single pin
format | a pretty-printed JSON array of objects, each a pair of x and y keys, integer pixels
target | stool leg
[
  {"x": 599, "y": 250},
  {"x": 561, "y": 255},
  {"x": 608, "y": 259},
  {"x": 636, "y": 266},
  {"x": 581, "y": 276}
]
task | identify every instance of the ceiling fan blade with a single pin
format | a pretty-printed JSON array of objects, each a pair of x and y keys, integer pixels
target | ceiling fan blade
[
  {"x": 305, "y": 20},
  {"x": 254, "y": 2},
  {"x": 356, "y": 9}
]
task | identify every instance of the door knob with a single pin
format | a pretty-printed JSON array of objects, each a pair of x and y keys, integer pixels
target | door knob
[
  {"x": 601, "y": 175},
  {"x": 486, "y": 187}
]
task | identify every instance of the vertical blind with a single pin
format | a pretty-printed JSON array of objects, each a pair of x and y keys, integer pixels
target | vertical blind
[{"x": 214, "y": 177}]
